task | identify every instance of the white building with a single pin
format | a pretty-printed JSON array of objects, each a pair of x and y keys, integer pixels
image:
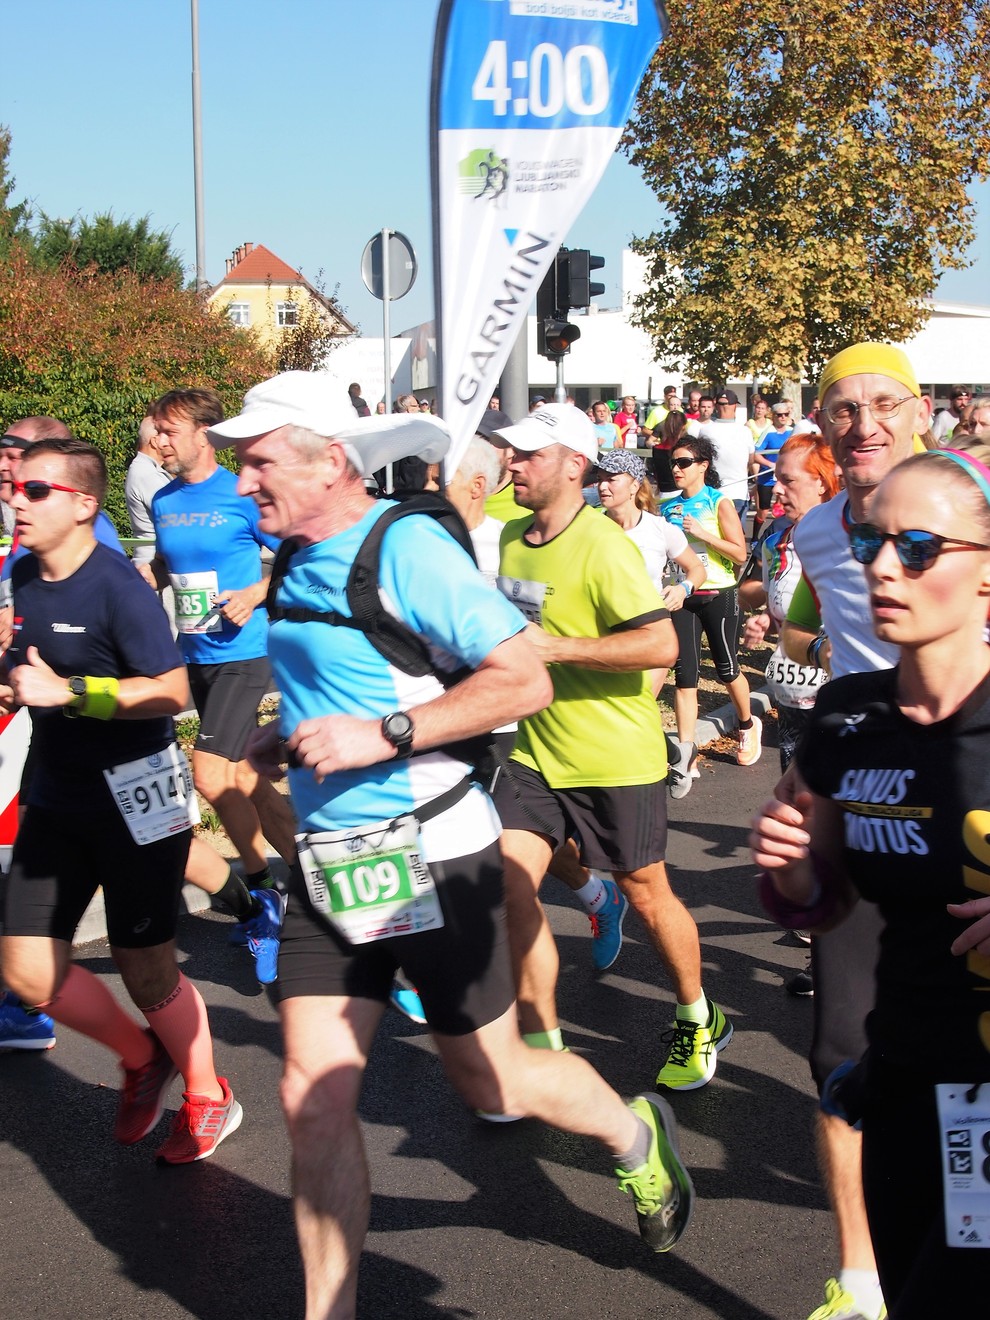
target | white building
[{"x": 612, "y": 358}]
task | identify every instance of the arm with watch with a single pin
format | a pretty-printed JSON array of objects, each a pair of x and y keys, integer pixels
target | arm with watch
[
  {"x": 35, "y": 683},
  {"x": 510, "y": 683},
  {"x": 694, "y": 574}
]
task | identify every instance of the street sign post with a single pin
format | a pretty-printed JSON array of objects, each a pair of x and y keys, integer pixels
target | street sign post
[{"x": 388, "y": 268}]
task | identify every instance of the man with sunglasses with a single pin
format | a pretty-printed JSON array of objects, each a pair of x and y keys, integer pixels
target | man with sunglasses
[
  {"x": 948, "y": 419},
  {"x": 872, "y": 412},
  {"x": 110, "y": 803}
]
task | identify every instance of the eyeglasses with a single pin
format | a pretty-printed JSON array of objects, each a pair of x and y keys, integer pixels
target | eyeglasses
[
  {"x": 916, "y": 550},
  {"x": 682, "y": 463},
  {"x": 36, "y": 491},
  {"x": 847, "y": 411}
]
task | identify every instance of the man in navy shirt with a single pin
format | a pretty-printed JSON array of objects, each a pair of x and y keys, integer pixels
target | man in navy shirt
[{"x": 109, "y": 803}]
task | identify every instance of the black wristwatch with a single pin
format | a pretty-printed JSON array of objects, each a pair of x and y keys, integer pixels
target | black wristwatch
[
  {"x": 397, "y": 729},
  {"x": 77, "y": 686}
]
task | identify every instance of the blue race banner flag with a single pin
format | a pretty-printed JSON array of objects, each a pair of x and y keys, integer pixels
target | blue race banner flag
[{"x": 529, "y": 100}]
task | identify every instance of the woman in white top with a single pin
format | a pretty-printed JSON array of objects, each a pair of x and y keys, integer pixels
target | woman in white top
[{"x": 627, "y": 499}]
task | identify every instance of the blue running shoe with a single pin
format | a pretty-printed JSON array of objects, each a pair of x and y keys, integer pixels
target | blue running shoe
[
  {"x": 606, "y": 926},
  {"x": 263, "y": 932},
  {"x": 238, "y": 936},
  {"x": 21, "y": 1030},
  {"x": 408, "y": 1002}
]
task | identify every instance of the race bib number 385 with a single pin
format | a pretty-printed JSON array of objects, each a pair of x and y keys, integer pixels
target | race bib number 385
[
  {"x": 195, "y": 595},
  {"x": 371, "y": 884}
]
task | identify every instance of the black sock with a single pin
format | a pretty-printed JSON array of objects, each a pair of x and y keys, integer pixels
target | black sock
[
  {"x": 746, "y": 724},
  {"x": 235, "y": 894},
  {"x": 260, "y": 880}
]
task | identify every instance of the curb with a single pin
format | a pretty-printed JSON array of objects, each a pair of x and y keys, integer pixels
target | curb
[{"x": 723, "y": 720}]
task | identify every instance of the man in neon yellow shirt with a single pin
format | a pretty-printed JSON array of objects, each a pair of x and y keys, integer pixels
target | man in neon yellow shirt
[{"x": 594, "y": 762}]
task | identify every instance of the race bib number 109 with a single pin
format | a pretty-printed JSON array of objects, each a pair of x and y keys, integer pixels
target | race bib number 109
[{"x": 371, "y": 884}]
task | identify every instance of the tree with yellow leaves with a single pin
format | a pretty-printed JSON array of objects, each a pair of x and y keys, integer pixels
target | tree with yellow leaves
[{"x": 813, "y": 160}]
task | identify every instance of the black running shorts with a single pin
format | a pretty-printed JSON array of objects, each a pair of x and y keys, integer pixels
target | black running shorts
[
  {"x": 619, "y": 829},
  {"x": 227, "y": 697},
  {"x": 462, "y": 971},
  {"x": 62, "y": 858}
]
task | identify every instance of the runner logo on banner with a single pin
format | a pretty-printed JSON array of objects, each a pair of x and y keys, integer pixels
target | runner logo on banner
[{"x": 530, "y": 98}]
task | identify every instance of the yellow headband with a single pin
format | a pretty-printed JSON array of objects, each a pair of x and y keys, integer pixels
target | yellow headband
[{"x": 869, "y": 360}]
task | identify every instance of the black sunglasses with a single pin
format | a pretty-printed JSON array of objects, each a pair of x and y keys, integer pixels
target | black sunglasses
[
  {"x": 40, "y": 490},
  {"x": 915, "y": 549},
  {"x": 682, "y": 463}
]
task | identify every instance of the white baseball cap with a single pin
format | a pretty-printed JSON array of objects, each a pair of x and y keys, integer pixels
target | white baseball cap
[
  {"x": 316, "y": 402},
  {"x": 553, "y": 424}
]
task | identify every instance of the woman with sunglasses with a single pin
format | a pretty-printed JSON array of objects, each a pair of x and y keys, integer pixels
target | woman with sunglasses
[
  {"x": 714, "y": 532},
  {"x": 898, "y": 811},
  {"x": 628, "y": 500}
]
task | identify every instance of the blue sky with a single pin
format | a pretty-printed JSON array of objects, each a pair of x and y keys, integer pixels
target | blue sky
[{"x": 315, "y": 134}]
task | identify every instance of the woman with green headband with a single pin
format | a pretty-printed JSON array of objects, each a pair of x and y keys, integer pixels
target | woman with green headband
[{"x": 898, "y": 812}]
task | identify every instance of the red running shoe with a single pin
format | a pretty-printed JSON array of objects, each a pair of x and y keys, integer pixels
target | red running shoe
[{"x": 200, "y": 1126}]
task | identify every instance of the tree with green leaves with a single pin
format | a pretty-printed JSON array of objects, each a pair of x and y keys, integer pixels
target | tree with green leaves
[
  {"x": 94, "y": 349},
  {"x": 813, "y": 162},
  {"x": 108, "y": 244}
]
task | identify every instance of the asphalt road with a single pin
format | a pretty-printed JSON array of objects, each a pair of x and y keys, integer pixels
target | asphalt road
[{"x": 514, "y": 1222}]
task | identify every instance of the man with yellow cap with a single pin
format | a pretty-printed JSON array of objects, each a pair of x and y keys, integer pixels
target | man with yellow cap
[{"x": 872, "y": 413}]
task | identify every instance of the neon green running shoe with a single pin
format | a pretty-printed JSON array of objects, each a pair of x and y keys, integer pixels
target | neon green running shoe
[
  {"x": 661, "y": 1187},
  {"x": 694, "y": 1051},
  {"x": 841, "y": 1305}
]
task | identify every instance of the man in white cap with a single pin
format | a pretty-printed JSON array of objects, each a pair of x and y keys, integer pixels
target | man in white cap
[
  {"x": 593, "y": 762},
  {"x": 399, "y": 858}
]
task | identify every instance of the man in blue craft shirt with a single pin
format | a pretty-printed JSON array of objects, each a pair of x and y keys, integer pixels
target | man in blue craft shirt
[{"x": 209, "y": 543}]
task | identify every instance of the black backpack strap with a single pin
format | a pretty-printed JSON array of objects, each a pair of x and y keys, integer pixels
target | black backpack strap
[{"x": 392, "y": 638}]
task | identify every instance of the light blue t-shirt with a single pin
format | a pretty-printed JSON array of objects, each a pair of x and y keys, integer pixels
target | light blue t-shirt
[
  {"x": 432, "y": 585},
  {"x": 205, "y": 527}
]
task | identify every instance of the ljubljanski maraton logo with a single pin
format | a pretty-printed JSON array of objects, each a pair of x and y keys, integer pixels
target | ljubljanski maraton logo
[{"x": 484, "y": 174}]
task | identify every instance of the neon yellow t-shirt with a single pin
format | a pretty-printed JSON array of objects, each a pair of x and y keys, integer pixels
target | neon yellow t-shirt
[
  {"x": 502, "y": 505},
  {"x": 602, "y": 730}
]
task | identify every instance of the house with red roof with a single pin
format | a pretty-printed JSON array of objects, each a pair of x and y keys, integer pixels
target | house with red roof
[{"x": 263, "y": 292}]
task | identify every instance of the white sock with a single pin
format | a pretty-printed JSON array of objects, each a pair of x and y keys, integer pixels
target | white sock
[
  {"x": 864, "y": 1288},
  {"x": 698, "y": 1012},
  {"x": 593, "y": 895}
]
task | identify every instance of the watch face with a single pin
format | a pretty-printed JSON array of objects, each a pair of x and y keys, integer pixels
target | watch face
[
  {"x": 398, "y": 727},
  {"x": 77, "y": 686}
]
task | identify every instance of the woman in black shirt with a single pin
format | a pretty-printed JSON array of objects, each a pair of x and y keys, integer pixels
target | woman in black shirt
[{"x": 897, "y": 810}]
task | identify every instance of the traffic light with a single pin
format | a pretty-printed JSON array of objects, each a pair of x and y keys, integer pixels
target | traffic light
[
  {"x": 558, "y": 337},
  {"x": 554, "y": 333},
  {"x": 580, "y": 287}
]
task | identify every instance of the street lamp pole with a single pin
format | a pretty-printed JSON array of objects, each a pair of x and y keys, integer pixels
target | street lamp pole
[{"x": 201, "y": 280}]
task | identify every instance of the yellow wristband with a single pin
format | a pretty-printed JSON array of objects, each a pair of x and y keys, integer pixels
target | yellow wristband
[{"x": 100, "y": 701}]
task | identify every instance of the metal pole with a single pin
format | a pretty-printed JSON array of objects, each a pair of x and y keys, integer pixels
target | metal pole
[
  {"x": 386, "y": 332},
  {"x": 560, "y": 394},
  {"x": 201, "y": 280},
  {"x": 513, "y": 388}
]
